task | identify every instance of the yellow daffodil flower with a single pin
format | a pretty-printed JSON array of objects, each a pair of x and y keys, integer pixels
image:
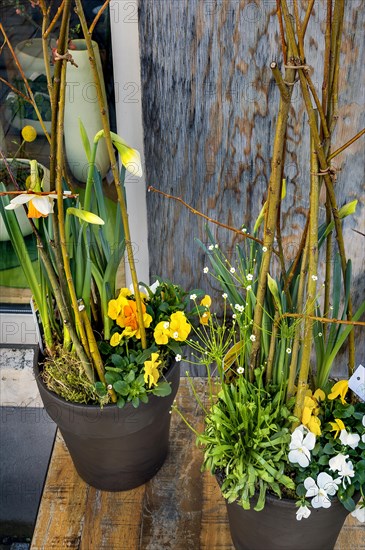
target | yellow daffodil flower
[
  {"x": 340, "y": 390},
  {"x": 29, "y": 133},
  {"x": 162, "y": 333},
  {"x": 206, "y": 301},
  {"x": 179, "y": 326},
  {"x": 337, "y": 426},
  {"x": 39, "y": 206},
  {"x": 151, "y": 372}
]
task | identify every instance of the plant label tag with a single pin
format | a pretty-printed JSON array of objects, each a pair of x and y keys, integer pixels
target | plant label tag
[{"x": 357, "y": 382}]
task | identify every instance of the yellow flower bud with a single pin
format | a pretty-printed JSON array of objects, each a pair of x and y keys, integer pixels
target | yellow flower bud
[{"x": 29, "y": 133}]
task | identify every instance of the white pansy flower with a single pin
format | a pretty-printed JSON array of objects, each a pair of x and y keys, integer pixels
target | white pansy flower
[
  {"x": 154, "y": 287},
  {"x": 303, "y": 512},
  {"x": 350, "y": 440},
  {"x": 337, "y": 462},
  {"x": 359, "y": 512},
  {"x": 253, "y": 338},
  {"x": 320, "y": 491},
  {"x": 302, "y": 442},
  {"x": 345, "y": 469}
]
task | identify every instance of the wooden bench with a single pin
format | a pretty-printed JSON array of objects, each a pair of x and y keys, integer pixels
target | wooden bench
[{"x": 179, "y": 509}]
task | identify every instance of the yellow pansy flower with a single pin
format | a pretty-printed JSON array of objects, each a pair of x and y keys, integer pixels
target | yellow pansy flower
[
  {"x": 204, "y": 319},
  {"x": 314, "y": 425},
  {"x": 206, "y": 301},
  {"x": 311, "y": 410},
  {"x": 179, "y": 326},
  {"x": 162, "y": 333},
  {"x": 337, "y": 426},
  {"x": 115, "y": 339},
  {"x": 151, "y": 372},
  {"x": 124, "y": 293},
  {"x": 340, "y": 390}
]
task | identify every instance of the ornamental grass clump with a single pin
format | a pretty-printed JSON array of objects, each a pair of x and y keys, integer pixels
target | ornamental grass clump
[
  {"x": 276, "y": 420},
  {"x": 100, "y": 343}
]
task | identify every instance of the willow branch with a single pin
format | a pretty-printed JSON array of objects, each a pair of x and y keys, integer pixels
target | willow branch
[
  {"x": 205, "y": 217},
  {"x": 307, "y": 17},
  {"x": 54, "y": 20},
  {"x": 28, "y": 88},
  {"x": 347, "y": 144},
  {"x": 114, "y": 167},
  {"x": 323, "y": 319},
  {"x": 97, "y": 16},
  {"x": 281, "y": 27}
]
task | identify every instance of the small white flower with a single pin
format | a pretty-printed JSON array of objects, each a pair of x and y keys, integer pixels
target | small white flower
[
  {"x": 249, "y": 277},
  {"x": 232, "y": 270},
  {"x": 264, "y": 249},
  {"x": 249, "y": 287},
  {"x": 253, "y": 338},
  {"x": 331, "y": 308},
  {"x": 192, "y": 296},
  {"x": 239, "y": 308},
  {"x": 215, "y": 246},
  {"x": 351, "y": 440},
  {"x": 359, "y": 512},
  {"x": 240, "y": 370},
  {"x": 314, "y": 278},
  {"x": 110, "y": 386},
  {"x": 205, "y": 270},
  {"x": 244, "y": 230},
  {"x": 210, "y": 247},
  {"x": 303, "y": 512},
  {"x": 320, "y": 334},
  {"x": 224, "y": 295},
  {"x": 178, "y": 358},
  {"x": 234, "y": 316},
  {"x": 288, "y": 351},
  {"x": 320, "y": 491},
  {"x": 302, "y": 442}
]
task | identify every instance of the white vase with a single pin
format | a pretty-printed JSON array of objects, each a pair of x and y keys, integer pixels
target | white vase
[
  {"x": 22, "y": 218},
  {"x": 30, "y": 56},
  {"x": 81, "y": 104}
]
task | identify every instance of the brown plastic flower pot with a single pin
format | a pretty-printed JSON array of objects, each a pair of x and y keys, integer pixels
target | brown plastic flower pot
[
  {"x": 276, "y": 526},
  {"x": 114, "y": 449}
]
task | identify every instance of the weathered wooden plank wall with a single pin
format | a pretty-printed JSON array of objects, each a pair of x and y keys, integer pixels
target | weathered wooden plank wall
[{"x": 209, "y": 105}]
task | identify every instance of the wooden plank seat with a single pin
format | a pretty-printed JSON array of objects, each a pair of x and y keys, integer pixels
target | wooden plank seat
[{"x": 179, "y": 509}]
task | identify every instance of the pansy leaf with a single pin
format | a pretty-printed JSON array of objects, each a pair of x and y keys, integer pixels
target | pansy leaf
[{"x": 162, "y": 389}]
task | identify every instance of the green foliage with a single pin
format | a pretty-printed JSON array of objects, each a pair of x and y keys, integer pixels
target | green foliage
[{"x": 246, "y": 439}]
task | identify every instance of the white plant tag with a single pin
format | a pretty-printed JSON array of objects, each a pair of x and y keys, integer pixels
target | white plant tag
[{"x": 357, "y": 382}]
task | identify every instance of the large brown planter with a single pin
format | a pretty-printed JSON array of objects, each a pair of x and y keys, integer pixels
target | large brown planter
[
  {"x": 276, "y": 526},
  {"x": 114, "y": 449}
]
